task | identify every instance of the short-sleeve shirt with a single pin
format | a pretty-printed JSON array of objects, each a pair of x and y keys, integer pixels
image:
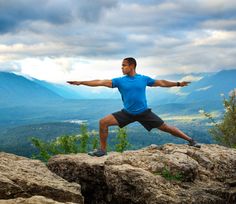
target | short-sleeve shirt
[{"x": 133, "y": 92}]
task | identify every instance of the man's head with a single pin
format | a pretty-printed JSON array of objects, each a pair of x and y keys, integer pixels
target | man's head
[{"x": 129, "y": 65}]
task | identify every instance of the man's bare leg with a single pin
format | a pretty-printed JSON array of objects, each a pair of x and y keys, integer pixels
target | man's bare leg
[
  {"x": 174, "y": 131},
  {"x": 104, "y": 123}
]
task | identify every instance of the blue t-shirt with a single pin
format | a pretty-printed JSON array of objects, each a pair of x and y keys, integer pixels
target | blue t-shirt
[{"x": 133, "y": 92}]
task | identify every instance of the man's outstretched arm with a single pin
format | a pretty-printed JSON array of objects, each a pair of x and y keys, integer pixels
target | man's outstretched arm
[
  {"x": 106, "y": 82},
  {"x": 164, "y": 83}
]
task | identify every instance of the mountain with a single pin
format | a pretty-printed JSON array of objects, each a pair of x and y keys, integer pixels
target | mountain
[
  {"x": 26, "y": 104},
  {"x": 18, "y": 90},
  {"x": 79, "y": 92},
  {"x": 15, "y": 88},
  {"x": 25, "y": 101},
  {"x": 209, "y": 88},
  {"x": 84, "y": 92},
  {"x": 63, "y": 90}
]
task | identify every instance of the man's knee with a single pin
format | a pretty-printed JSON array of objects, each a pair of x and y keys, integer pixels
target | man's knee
[
  {"x": 103, "y": 122},
  {"x": 164, "y": 127},
  {"x": 108, "y": 121}
]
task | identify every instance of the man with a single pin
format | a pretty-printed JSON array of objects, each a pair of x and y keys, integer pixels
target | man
[{"x": 132, "y": 88}]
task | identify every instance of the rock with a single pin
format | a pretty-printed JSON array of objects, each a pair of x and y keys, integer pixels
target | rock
[
  {"x": 138, "y": 176},
  {"x": 32, "y": 200},
  {"x": 23, "y": 177},
  {"x": 136, "y": 185},
  {"x": 83, "y": 169}
]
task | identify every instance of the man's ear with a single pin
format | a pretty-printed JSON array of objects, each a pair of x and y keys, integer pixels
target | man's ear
[{"x": 132, "y": 66}]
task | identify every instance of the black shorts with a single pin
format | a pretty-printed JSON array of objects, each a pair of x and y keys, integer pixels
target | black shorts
[{"x": 147, "y": 118}]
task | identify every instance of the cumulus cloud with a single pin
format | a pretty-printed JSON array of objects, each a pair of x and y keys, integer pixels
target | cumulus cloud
[
  {"x": 61, "y": 70},
  {"x": 165, "y": 36},
  {"x": 220, "y": 24},
  {"x": 13, "y": 14},
  {"x": 10, "y": 67}
]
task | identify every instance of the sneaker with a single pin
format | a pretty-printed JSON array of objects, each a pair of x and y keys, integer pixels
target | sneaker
[
  {"x": 97, "y": 153},
  {"x": 194, "y": 143}
]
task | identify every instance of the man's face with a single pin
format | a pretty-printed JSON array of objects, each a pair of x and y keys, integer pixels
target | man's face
[{"x": 126, "y": 68}]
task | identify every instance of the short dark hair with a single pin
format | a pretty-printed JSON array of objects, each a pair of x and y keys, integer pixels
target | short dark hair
[{"x": 131, "y": 60}]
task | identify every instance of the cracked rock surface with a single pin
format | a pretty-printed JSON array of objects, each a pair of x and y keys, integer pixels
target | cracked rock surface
[
  {"x": 208, "y": 175},
  {"x": 144, "y": 176},
  {"x": 22, "y": 178},
  {"x": 32, "y": 200}
]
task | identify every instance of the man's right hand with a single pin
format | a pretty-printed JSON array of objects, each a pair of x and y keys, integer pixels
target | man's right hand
[{"x": 74, "y": 82}]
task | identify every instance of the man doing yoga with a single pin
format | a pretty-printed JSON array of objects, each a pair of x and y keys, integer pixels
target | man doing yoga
[{"x": 132, "y": 88}]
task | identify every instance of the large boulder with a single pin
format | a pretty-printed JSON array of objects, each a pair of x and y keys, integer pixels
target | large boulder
[
  {"x": 153, "y": 175},
  {"x": 23, "y": 177}
]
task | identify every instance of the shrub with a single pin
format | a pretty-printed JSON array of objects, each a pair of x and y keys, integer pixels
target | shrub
[
  {"x": 64, "y": 144},
  {"x": 121, "y": 140},
  {"x": 81, "y": 143},
  {"x": 168, "y": 175}
]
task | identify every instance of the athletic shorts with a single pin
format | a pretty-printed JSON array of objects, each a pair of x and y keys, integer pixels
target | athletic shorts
[{"x": 147, "y": 118}]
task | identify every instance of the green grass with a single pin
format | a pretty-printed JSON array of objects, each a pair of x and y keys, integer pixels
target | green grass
[{"x": 168, "y": 175}]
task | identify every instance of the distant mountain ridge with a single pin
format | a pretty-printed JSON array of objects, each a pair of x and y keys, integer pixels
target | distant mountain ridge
[
  {"x": 209, "y": 88},
  {"x": 15, "y": 89},
  {"x": 209, "y": 84},
  {"x": 68, "y": 91}
]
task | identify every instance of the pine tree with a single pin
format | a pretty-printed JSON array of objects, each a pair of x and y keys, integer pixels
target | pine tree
[{"x": 224, "y": 131}]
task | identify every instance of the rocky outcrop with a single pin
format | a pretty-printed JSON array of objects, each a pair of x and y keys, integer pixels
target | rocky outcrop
[
  {"x": 206, "y": 175},
  {"x": 174, "y": 174},
  {"x": 32, "y": 200},
  {"x": 21, "y": 179}
]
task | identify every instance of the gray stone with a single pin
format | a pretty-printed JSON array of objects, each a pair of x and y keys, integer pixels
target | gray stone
[
  {"x": 23, "y": 177},
  {"x": 32, "y": 200},
  {"x": 137, "y": 176}
]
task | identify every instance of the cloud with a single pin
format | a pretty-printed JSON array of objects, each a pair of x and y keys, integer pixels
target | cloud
[
  {"x": 166, "y": 37},
  {"x": 61, "y": 70},
  {"x": 204, "y": 88},
  {"x": 215, "y": 38},
  {"x": 177, "y": 91},
  {"x": 10, "y": 67},
  {"x": 220, "y": 24},
  {"x": 13, "y": 14},
  {"x": 191, "y": 78}
]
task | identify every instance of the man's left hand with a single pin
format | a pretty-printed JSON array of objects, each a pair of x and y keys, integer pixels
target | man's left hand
[{"x": 184, "y": 83}]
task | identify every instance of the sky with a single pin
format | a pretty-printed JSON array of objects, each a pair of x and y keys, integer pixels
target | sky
[{"x": 60, "y": 40}]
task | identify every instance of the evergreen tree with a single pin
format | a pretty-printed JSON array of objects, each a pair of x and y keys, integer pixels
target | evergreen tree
[{"x": 224, "y": 131}]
